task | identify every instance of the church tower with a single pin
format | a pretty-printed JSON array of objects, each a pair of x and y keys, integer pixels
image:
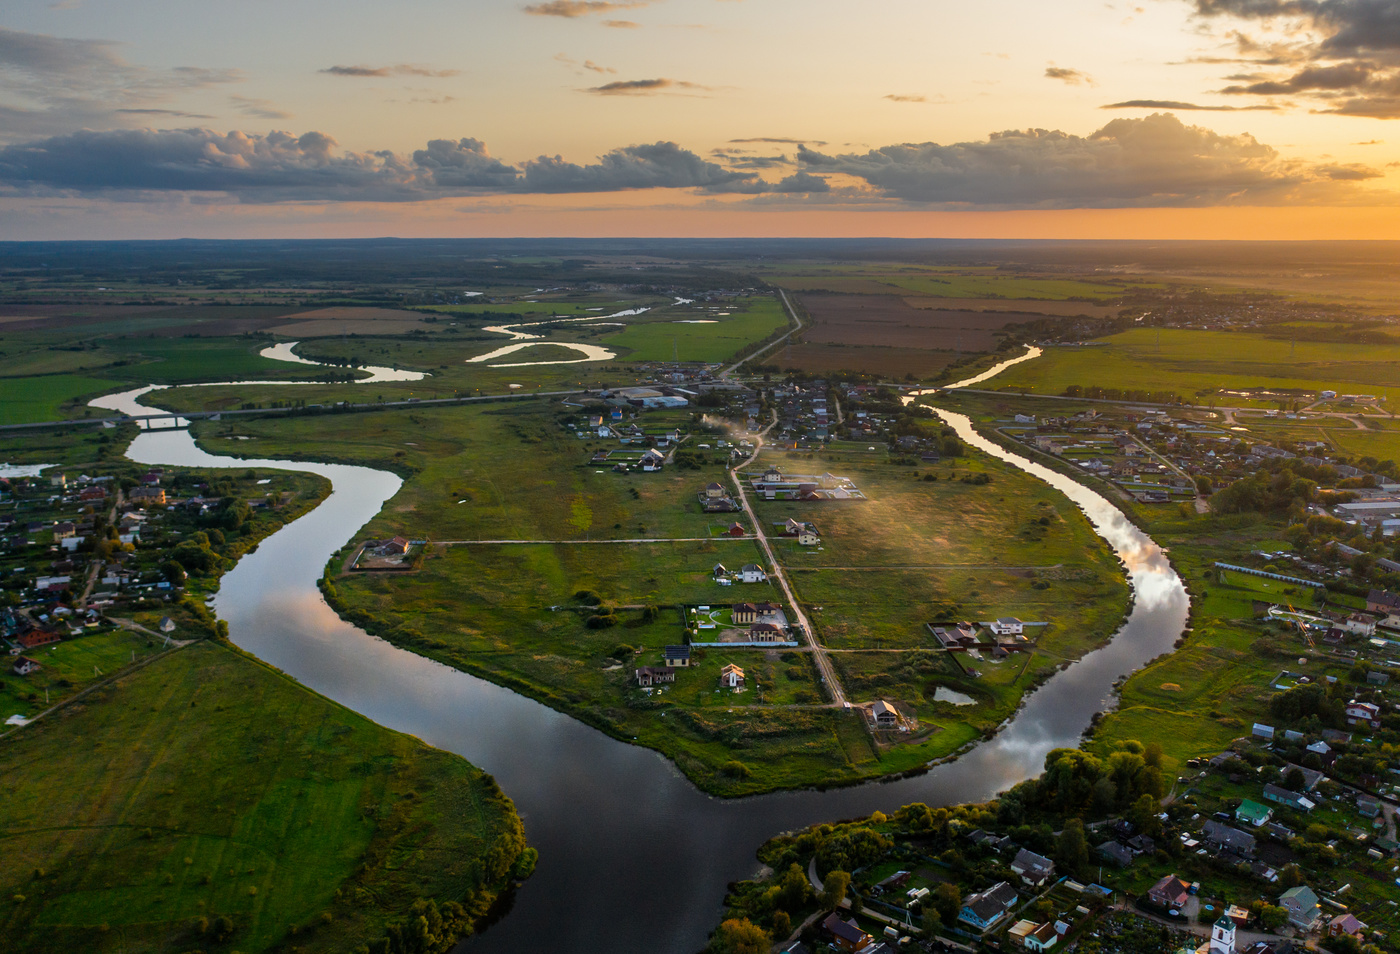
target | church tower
[{"x": 1222, "y": 936}]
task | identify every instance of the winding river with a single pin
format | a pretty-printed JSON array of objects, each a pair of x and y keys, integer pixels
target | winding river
[{"x": 630, "y": 851}]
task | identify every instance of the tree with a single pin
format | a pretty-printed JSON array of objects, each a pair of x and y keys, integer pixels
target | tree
[
  {"x": 834, "y": 889},
  {"x": 947, "y": 901},
  {"x": 1272, "y": 916},
  {"x": 740, "y": 936},
  {"x": 1071, "y": 848},
  {"x": 1293, "y": 780},
  {"x": 782, "y": 924}
]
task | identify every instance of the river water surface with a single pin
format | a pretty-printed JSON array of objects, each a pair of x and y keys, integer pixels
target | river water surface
[{"x": 632, "y": 857}]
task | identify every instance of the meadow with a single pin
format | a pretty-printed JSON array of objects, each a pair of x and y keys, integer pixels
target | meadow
[
  {"x": 216, "y": 802},
  {"x": 1198, "y": 364},
  {"x": 509, "y": 612}
]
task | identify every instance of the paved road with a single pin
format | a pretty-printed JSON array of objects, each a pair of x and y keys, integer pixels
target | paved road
[
  {"x": 819, "y": 656},
  {"x": 770, "y": 346}
]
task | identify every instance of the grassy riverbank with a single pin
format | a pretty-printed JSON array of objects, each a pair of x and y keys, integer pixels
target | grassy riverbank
[
  {"x": 214, "y": 802},
  {"x": 919, "y": 551}
]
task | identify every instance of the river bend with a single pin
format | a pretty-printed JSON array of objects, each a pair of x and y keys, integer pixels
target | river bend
[{"x": 629, "y": 850}]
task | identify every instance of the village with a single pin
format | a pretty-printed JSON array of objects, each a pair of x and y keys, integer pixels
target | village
[{"x": 98, "y": 567}]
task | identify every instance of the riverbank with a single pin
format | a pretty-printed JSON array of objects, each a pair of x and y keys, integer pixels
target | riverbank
[{"x": 215, "y": 801}]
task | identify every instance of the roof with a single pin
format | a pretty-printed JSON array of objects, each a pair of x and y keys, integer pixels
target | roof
[
  {"x": 677, "y": 651},
  {"x": 1253, "y": 812},
  {"x": 1116, "y": 853},
  {"x": 845, "y": 930},
  {"x": 1028, "y": 860},
  {"x": 1301, "y": 898},
  {"x": 1229, "y": 837},
  {"x": 1172, "y": 888},
  {"x": 990, "y": 904}
]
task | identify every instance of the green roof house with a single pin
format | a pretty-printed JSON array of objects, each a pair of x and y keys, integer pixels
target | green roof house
[{"x": 1253, "y": 814}]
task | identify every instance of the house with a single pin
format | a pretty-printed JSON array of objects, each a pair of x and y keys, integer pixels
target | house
[
  {"x": 397, "y": 546},
  {"x": 731, "y": 677},
  {"x": 64, "y": 531},
  {"x": 1034, "y": 869},
  {"x": 752, "y": 573},
  {"x": 649, "y": 676},
  {"x": 1376, "y": 678},
  {"x": 719, "y": 572},
  {"x": 884, "y": 715},
  {"x": 714, "y": 491},
  {"x": 1042, "y": 938},
  {"x": 1170, "y": 894},
  {"x": 166, "y": 625},
  {"x": 1282, "y": 796},
  {"x": 1230, "y": 839},
  {"x": 1301, "y": 905},
  {"x": 736, "y": 529},
  {"x": 744, "y": 613},
  {"x": 1367, "y": 807},
  {"x": 1311, "y": 777},
  {"x": 1252, "y": 813},
  {"x": 1363, "y": 713},
  {"x": 1114, "y": 853},
  {"x": 24, "y": 666},
  {"x": 1381, "y": 601},
  {"x": 37, "y": 638},
  {"x": 147, "y": 496},
  {"x": 1007, "y": 626},
  {"x": 1358, "y": 625},
  {"x": 846, "y": 935},
  {"x": 1262, "y": 731},
  {"x": 767, "y": 633},
  {"x": 985, "y": 908},
  {"x": 676, "y": 656},
  {"x": 1348, "y": 924}
]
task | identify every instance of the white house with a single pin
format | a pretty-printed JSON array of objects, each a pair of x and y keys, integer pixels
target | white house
[
  {"x": 752, "y": 573},
  {"x": 1007, "y": 626}
]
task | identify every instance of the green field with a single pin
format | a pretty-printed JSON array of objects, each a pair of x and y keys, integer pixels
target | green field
[
  {"x": 513, "y": 472},
  {"x": 1198, "y": 364},
  {"x": 663, "y": 340},
  {"x": 48, "y": 398},
  {"x": 208, "y": 786},
  {"x": 933, "y": 283}
]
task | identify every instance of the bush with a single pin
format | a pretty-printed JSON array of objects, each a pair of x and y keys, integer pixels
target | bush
[
  {"x": 735, "y": 769},
  {"x": 588, "y": 598},
  {"x": 601, "y": 621}
]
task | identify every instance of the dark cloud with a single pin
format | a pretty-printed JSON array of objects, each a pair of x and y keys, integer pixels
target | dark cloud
[
  {"x": 1149, "y": 162},
  {"x": 401, "y": 69},
  {"x": 642, "y": 87},
  {"x": 1343, "y": 76},
  {"x": 1153, "y": 161},
  {"x": 1355, "y": 58},
  {"x": 51, "y": 85},
  {"x": 1174, "y": 104},
  {"x": 572, "y": 9},
  {"x": 280, "y": 167},
  {"x": 738, "y": 161},
  {"x": 1067, "y": 75},
  {"x": 802, "y": 182}
]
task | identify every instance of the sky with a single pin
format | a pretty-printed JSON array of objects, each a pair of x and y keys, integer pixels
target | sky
[{"x": 1155, "y": 119}]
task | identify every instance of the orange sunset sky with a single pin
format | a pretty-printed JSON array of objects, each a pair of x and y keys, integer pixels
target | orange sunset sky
[{"x": 309, "y": 118}]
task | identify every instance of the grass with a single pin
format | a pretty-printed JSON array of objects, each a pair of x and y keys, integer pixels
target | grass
[
  {"x": 69, "y": 666},
  {"x": 514, "y": 473},
  {"x": 189, "y": 360},
  {"x": 49, "y": 397},
  {"x": 943, "y": 283},
  {"x": 664, "y": 340},
  {"x": 1198, "y": 364},
  {"x": 209, "y": 786}
]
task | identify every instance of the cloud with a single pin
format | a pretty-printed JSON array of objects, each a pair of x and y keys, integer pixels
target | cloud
[
  {"x": 900, "y": 98},
  {"x": 1067, "y": 75},
  {"x": 260, "y": 108},
  {"x": 401, "y": 69},
  {"x": 780, "y": 141},
  {"x": 588, "y": 65},
  {"x": 1174, "y": 104},
  {"x": 51, "y": 85},
  {"x": 642, "y": 87},
  {"x": 164, "y": 112},
  {"x": 622, "y": 24},
  {"x": 572, "y": 9},
  {"x": 1352, "y": 48},
  {"x": 1150, "y": 162},
  {"x": 802, "y": 182},
  {"x": 280, "y": 167}
]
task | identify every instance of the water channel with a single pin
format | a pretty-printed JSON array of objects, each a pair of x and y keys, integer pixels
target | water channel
[{"x": 632, "y": 857}]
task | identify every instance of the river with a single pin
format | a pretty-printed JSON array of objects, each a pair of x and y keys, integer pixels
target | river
[{"x": 633, "y": 858}]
